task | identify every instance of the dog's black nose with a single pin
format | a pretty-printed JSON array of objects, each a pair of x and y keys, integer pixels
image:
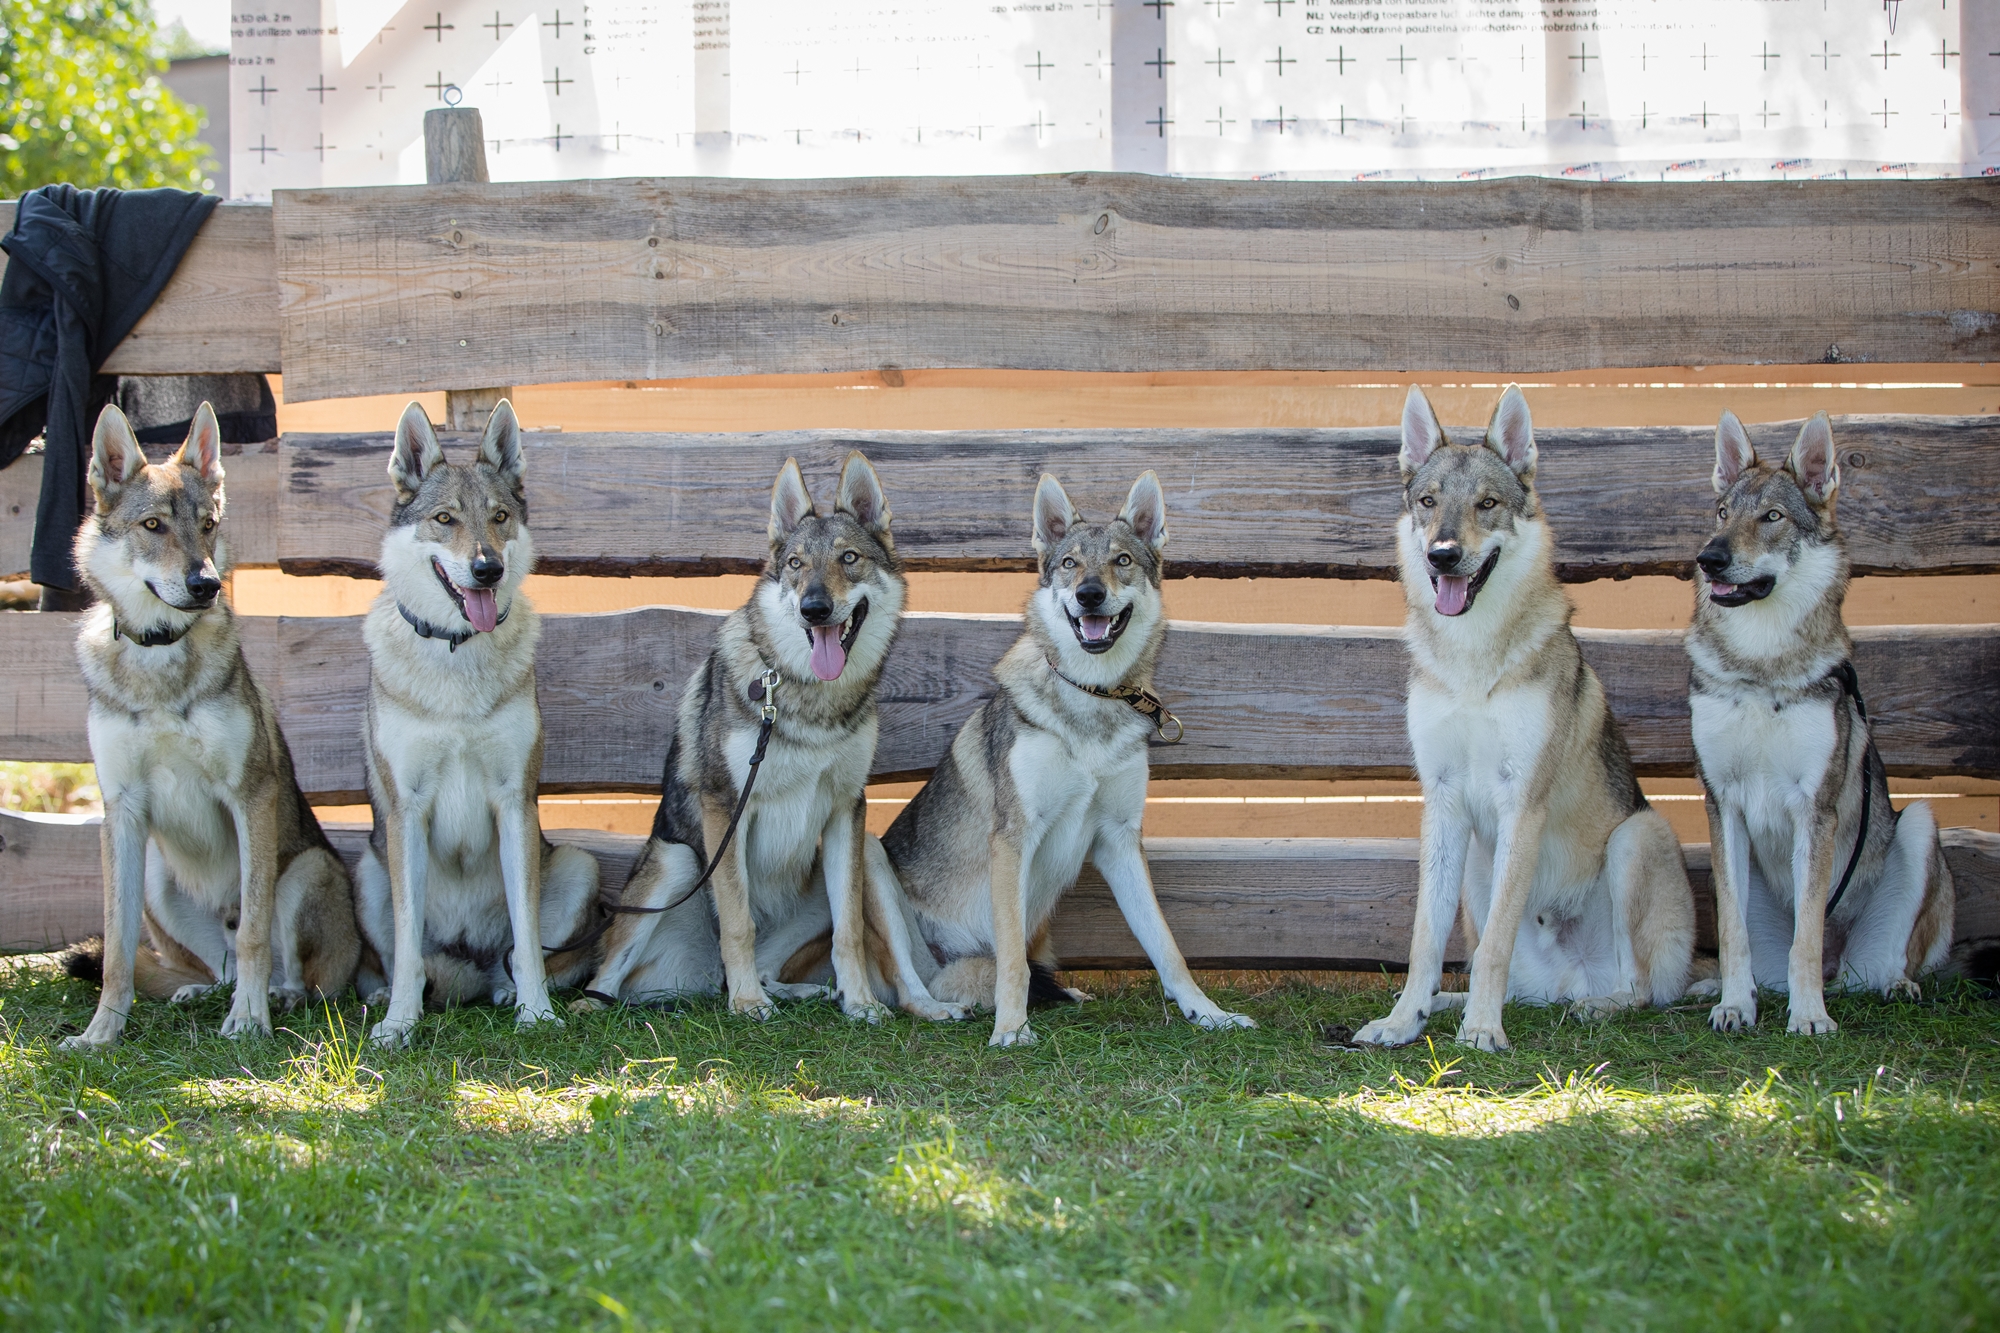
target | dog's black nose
[
  {"x": 1714, "y": 558},
  {"x": 1090, "y": 594},
  {"x": 816, "y": 608},
  {"x": 202, "y": 585},
  {"x": 1444, "y": 556},
  {"x": 486, "y": 570}
]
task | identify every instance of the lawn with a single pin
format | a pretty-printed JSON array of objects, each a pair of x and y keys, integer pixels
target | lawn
[{"x": 644, "y": 1169}]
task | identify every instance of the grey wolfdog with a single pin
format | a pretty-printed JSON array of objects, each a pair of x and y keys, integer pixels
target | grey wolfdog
[
  {"x": 205, "y": 829},
  {"x": 1048, "y": 771},
  {"x": 806, "y": 651},
  {"x": 1574, "y": 885},
  {"x": 1798, "y": 800},
  {"x": 457, "y": 875}
]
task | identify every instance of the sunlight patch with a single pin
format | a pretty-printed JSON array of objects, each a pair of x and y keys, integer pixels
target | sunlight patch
[
  {"x": 295, "y": 1095},
  {"x": 575, "y": 1107},
  {"x": 931, "y": 1179}
]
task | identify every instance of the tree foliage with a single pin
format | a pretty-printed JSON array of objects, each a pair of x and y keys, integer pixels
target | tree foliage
[{"x": 84, "y": 104}]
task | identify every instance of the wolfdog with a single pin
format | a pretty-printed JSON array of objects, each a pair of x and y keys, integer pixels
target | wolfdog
[
  {"x": 457, "y": 873},
  {"x": 1798, "y": 800},
  {"x": 1575, "y": 886},
  {"x": 798, "y": 666},
  {"x": 205, "y": 828},
  {"x": 1049, "y": 770}
]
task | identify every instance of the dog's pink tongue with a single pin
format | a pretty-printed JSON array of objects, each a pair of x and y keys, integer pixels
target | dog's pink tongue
[
  {"x": 1721, "y": 589},
  {"x": 1451, "y": 594},
  {"x": 829, "y": 658},
  {"x": 1095, "y": 628},
  {"x": 482, "y": 608}
]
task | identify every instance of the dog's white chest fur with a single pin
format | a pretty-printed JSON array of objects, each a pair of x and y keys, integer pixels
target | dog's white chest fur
[
  {"x": 180, "y": 771},
  {"x": 1071, "y": 790},
  {"x": 1765, "y": 757},
  {"x": 1477, "y": 752},
  {"x": 804, "y": 772}
]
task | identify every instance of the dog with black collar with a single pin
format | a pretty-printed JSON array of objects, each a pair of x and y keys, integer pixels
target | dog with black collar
[{"x": 458, "y": 890}]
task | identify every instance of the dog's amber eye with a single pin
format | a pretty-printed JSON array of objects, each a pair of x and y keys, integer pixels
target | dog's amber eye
[
  {"x": 208, "y": 525},
  {"x": 1427, "y": 501},
  {"x": 442, "y": 519},
  {"x": 1776, "y": 515},
  {"x": 796, "y": 563},
  {"x": 849, "y": 557},
  {"x": 151, "y": 525},
  {"x": 1488, "y": 502},
  {"x": 500, "y": 517}
]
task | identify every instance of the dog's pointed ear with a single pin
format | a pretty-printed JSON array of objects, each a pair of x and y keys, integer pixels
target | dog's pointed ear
[
  {"x": 501, "y": 445},
  {"x": 1421, "y": 433},
  {"x": 1812, "y": 461},
  {"x": 417, "y": 451},
  {"x": 202, "y": 450},
  {"x": 1734, "y": 454},
  {"x": 1145, "y": 510},
  {"x": 1054, "y": 514},
  {"x": 115, "y": 456},
  {"x": 861, "y": 497},
  {"x": 791, "y": 503},
  {"x": 1511, "y": 433}
]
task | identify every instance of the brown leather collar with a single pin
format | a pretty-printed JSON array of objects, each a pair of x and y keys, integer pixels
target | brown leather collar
[{"x": 1143, "y": 702}]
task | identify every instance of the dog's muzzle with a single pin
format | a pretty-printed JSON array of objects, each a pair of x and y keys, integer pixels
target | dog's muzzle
[
  {"x": 832, "y": 643},
  {"x": 1096, "y": 633}
]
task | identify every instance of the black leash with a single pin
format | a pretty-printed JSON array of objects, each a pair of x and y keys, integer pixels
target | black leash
[
  {"x": 1850, "y": 685},
  {"x": 1143, "y": 702},
  {"x": 763, "y": 690}
]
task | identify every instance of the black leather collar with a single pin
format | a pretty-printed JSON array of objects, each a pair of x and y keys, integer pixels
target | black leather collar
[
  {"x": 425, "y": 629},
  {"x": 152, "y": 638}
]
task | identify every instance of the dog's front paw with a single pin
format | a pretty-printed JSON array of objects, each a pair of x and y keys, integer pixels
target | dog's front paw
[
  {"x": 1727, "y": 1017},
  {"x": 1902, "y": 988},
  {"x": 1812, "y": 1022},
  {"x": 1220, "y": 1020},
  {"x": 245, "y": 1021},
  {"x": 1020, "y": 1036},
  {"x": 392, "y": 1034},
  {"x": 937, "y": 1011},
  {"x": 868, "y": 1011},
  {"x": 1391, "y": 1031},
  {"x": 754, "y": 1004},
  {"x": 585, "y": 1004},
  {"x": 101, "y": 1035},
  {"x": 527, "y": 1017},
  {"x": 1483, "y": 1038}
]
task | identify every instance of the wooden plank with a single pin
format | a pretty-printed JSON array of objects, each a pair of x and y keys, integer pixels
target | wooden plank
[
  {"x": 1916, "y": 496},
  {"x": 251, "y": 487},
  {"x": 457, "y": 286},
  {"x": 1232, "y": 902},
  {"x": 1259, "y": 701},
  {"x": 219, "y": 312}
]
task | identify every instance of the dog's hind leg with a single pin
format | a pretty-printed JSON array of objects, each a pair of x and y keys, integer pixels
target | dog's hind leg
[
  {"x": 1880, "y": 945},
  {"x": 894, "y": 920},
  {"x": 328, "y": 946},
  {"x": 193, "y": 948},
  {"x": 1652, "y": 915},
  {"x": 374, "y": 914},
  {"x": 569, "y": 899},
  {"x": 653, "y": 947}
]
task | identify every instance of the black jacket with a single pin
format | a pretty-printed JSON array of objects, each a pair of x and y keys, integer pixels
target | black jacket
[{"x": 83, "y": 267}]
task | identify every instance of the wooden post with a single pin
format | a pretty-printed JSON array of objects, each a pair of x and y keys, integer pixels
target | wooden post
[{"x": 455, "y": 150}]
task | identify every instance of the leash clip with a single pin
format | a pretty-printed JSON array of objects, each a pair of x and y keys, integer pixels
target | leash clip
[{"x": 766, "y": 689}]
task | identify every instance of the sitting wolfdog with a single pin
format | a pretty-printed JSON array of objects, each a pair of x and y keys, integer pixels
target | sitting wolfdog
[
  {"x": 1576, "y": 887},
  {"x": 1048, "y": 771},
  {"x": 457, "y": 876},
  {"x": 204, "y": 823},
  {"x": 1798, "y": 800}
]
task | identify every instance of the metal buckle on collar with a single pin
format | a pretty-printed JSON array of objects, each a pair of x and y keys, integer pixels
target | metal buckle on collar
[{"x": 764, "y": 690}]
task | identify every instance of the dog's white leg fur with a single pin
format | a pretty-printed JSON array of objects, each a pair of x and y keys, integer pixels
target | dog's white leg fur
[
  {"x": 1121, "y": 859},
  {"x": 888, "y": 908},
  {"x": 250, "y": 1010},
  {"x": 375, "y": 913},
  {"x": 521, "y": 875},
  {"x": 736, "y": 928},
  {"x": 1877, "y": 954},
  {"x": 1729, "y": 841},
  {"x": 122, "y": 841},
  {"x": 664, "y": 871},
  {"x": 409, "y": 846},
  {"x": 846, "y": 892},
  {"x": 1447, "y": 835},
  {"x": 1515, "y": 856},
  {"x": 569, "y": 887},
  {"x": 1812, "y": 869},
  {"x": 193, "y": 924}
]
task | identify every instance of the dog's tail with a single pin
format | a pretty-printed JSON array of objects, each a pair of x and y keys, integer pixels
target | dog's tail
[
  {"x": 152, "y": 974},
  {"x": 1043, "y": 988}
]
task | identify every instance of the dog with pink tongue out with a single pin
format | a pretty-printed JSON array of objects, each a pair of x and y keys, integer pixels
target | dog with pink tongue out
[{"x": 1573, "y": 887}]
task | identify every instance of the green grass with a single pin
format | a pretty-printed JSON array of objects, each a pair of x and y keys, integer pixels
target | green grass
[{"x": 646, "y": 1170}]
